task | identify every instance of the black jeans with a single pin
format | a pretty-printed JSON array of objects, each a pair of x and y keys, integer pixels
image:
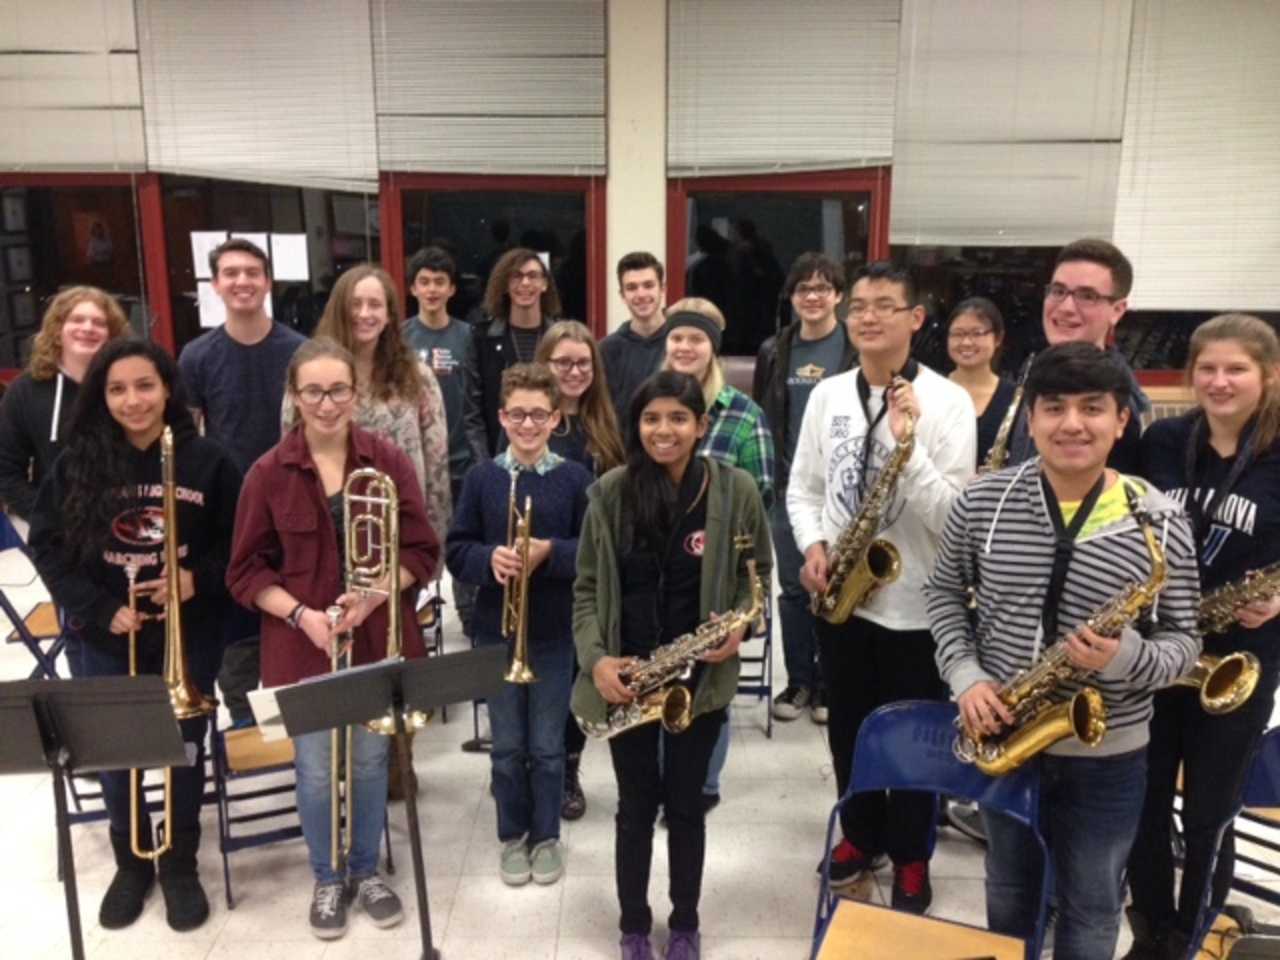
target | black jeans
[
  {"x": 1215, "y": 753},
  {"x": 676, "y": 785},
  {"x": 865, "y": 666}
]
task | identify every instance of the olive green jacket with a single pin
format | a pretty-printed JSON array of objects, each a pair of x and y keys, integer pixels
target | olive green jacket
[{"x": 733, "y": 507}]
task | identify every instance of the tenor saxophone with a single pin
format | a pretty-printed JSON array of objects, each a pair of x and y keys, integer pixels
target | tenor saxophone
[
  {"x": 1037, "y": 722},
  {"x": 998, "y": 455},
  {"x": 859, "y": 563},
  {"x": 659, "y": 694}
]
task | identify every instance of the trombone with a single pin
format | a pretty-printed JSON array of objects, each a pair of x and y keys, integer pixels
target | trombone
[
  {"x": 187, "y": 702},
  {"x": 515, "y": 592}
]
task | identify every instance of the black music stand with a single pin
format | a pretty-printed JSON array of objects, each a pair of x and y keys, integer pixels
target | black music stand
[
  {"x": 85, "y": 726},
  {"x": 367, "y": 692}
]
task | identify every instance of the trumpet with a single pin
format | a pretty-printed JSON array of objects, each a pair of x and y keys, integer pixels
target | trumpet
[
  {"x": 515, "y": 592},
  {"x": 187, "y": 702}
]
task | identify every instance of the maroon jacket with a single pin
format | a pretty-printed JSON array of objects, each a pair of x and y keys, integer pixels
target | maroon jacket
[{"x": 285, "y": 536}]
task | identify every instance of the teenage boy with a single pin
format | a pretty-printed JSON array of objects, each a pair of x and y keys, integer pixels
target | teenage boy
[
  {"x": 1044, "y": 545},
  {"x": 441, "y": 342},
  {"x": 883, "y": 652},
  {"x": 635, "y": 351},
  {"x": 527, "y": 719},
  {"x": 235, "y": 379},
  {"x": 1083, "y": 303},
  {"x": 788, "y": 367}
]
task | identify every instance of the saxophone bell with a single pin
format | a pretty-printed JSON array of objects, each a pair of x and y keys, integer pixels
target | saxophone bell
[{"x": 1225, "y": 683}]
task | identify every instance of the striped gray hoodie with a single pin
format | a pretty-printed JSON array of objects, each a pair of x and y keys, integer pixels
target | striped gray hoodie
[{"x": 999, "y": 537}]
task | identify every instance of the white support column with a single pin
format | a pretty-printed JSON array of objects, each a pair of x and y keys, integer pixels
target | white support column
[{"x": 636, "y": 205}]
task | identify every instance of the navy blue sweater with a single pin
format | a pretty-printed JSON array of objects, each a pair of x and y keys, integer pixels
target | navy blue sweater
[{"x": 480, "y": 524}]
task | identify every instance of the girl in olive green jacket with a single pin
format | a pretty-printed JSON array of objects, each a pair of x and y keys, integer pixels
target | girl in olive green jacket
[{"x": 656, "y": 558}]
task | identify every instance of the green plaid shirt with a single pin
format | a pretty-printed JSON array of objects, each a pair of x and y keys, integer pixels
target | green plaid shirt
[{"x": 740, "y": 436}]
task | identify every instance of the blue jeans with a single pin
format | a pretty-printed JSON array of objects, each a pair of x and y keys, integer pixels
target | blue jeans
[
  {"x": 369, "y": 773},
  {"x": 527, "y": 721},
  {"x": 718, "y": 758},
  {"x": 1089, "y": 811},
  {"x": 799, "y": 645}
]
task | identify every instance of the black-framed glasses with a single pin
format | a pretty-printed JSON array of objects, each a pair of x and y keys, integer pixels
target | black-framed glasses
[
  {"x": 880, "y": 309},
  {"x": 565, "y": 364},
  {"x": 1085, "y": 297},
  {"x": 972, "y": 336},
  {"x": 814, "y": 290},
  {"x": 519, "y": 416},
  {"x": 313, "y": 395},
  {"x": 533, "y": 276}
]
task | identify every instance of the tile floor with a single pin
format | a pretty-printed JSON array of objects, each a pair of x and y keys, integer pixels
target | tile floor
[{"x": 758, "y": 893}]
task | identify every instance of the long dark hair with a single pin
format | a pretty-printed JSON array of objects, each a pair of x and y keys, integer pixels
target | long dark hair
[
  {"x": 98, "y": 473},
  {"x": 649, "y": 497}
]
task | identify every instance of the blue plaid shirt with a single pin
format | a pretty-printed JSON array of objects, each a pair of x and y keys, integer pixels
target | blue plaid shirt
[{"x": 740, "y": 436}]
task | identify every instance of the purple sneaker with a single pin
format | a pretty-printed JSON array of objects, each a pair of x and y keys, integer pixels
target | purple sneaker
[
  {"x": 636, "y": 946},
  {"x": 684, "y": 945}
]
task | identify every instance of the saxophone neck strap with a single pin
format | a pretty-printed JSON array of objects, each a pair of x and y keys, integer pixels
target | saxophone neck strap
[
  {"x": 1064, "y": 545},
  {"x": 1197, "y": 455},
  {"x": 908, "y": 372}
]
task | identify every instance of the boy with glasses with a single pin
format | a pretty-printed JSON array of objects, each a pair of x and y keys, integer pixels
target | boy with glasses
[
  {"x": 788, "y": 367},
  {"x": 1083, "y": 303},
  {"x": 884, "y": 652},
  {"x": 527, "y": 720}
]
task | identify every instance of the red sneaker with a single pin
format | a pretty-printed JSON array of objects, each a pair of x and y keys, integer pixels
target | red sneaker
[
  {"x": 848, "y": 863},
  {"x": 912, "y": 892}
]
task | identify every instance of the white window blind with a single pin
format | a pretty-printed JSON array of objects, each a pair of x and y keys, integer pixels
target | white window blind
[
  {"x": 490, "y": 86},
  {"x": 755, "y": 86},
  {"x": 69, "y": 93},
  {"x": 272, "y": 92},
  {"x": 1198, "y": 210},
  {"x": 1009, "y": 117}
]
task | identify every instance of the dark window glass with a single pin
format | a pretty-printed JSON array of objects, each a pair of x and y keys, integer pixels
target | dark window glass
[
  {"x": 55, "y": 237},
  {"x": 478, "y": 227},
  {"x": 341, "y": 230},
  {"x": 741, "y": 246},
  {"x": 1159, "y": 339}
]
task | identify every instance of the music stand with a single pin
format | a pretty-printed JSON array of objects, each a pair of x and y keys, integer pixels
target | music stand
[
  {"x": 364, "y": 693},
  {"x": 85, "y": 726}
]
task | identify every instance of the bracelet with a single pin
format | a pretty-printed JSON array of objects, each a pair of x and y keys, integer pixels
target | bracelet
[{"x": 295, "y": 615}]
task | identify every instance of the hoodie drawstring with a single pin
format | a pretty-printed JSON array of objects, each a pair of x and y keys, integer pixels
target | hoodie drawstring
[{"x": 57, "y": 409}]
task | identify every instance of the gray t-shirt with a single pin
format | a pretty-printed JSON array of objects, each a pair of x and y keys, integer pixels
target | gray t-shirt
[
  {"x": 445, "y": 351},
  {"x": 811, "y": 361},
  {"x": 239, "y": 388}
]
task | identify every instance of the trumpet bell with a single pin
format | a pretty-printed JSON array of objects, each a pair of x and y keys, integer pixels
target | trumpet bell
[{"x": 519, "y": 672}]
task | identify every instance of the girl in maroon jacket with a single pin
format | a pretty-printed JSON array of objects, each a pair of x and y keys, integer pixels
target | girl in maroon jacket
[{"x": 286, "y": 560}]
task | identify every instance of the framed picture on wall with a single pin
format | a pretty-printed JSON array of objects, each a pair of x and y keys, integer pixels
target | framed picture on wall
[
  {"x": 22, "y": 310},
  {"x": 13, "y": 212},
  {"x": 18, "y": 260}
]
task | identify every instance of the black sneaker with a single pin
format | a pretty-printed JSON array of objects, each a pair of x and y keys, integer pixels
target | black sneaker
[
  {"x": 818, "y": 711},
  {"x": 574, "y": 804},
  {"x": 378, "y": 900},
  {"x": 912, "y": 892},
  {"x": 790, "y": 703},
  {"x": 709, "y": 802},
  {"x": 329, "y": 910},
  {"x": 848, "y": 863}
]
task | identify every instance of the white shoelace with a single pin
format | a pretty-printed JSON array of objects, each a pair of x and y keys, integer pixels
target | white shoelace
[
  {"x": 373, "y": 889},
  {"x": 327, "y": 900}
]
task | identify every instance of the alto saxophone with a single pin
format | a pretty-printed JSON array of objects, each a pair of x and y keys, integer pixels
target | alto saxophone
[
  {"x": 998, "y": 455},
  {"x": 1039, "y": 724},
  {"x": 1226, "y": 683},
  {"x": 859, "y": 563},
  {"x": 659, "y": 694}
]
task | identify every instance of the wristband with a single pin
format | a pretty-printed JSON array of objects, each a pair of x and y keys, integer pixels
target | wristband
[{"x": 295, "y": 615}]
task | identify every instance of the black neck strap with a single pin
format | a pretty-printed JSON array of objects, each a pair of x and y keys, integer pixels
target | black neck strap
[
  {"x": 1197, "y": 456},
  {"x": 1064, "y": 545},
  {"x": 909, "y": 371}
]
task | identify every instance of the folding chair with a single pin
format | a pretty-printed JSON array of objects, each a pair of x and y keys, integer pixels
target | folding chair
[
  {"x": 756, "y": 674},
  {"x": 431, "y": 626},
  {"x": 40, "y": 629},
  {"x": 907, "y": 746},
  {"x": 239, "y": 754}
]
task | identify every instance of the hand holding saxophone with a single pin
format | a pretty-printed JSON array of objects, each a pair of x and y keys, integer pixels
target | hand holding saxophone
[
  {"x": 813, "y": 574},
  {"x": 727, "y": 649},
  {"x": 982, "y": 710},
  {"x": 903, "y": 407},
  {"x": 607, "y": 676},
  {"x": 1089, "y": 651},
  {"x": 1254, "y": 614}
]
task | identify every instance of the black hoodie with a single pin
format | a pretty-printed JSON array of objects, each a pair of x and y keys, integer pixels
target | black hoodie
[
  {"x": 208, "y": 485},
  {"x": 33, "y": 418},
  {"x": 630, "y": 360}
]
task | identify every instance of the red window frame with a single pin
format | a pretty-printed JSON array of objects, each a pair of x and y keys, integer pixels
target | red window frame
[
  {"x": 876, "y": 181},
  {"x": 391, "y": 216},
  {"x": 155, "y": 257}
]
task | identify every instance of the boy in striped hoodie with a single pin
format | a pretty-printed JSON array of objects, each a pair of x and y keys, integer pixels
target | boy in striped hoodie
[{"x": 1044, "y": 545}]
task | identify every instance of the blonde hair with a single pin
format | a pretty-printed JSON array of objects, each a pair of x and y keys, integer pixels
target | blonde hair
[
  {"x": 46, "y": 345},
  {"x": 1257, "y": 338},
  {"x": 713, "y": 379},
  {"x": 599, "y": 423}
]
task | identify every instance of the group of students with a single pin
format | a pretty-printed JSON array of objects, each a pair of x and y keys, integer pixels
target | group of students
[{"x": 643, "y": 467}]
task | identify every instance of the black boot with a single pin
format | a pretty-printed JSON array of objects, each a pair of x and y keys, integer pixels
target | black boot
[
  {"x": 1148, "y": 943},
  {"x": 1175, "y": 945},
  {"x": 574, "y": 803},
  {"x": 186, "y": 906},
  {"x": 134, "y": 878}
]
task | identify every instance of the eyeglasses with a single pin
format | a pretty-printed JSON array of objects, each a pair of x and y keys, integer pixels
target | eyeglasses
[
  {"x": 880, "y": 309},
  {"x": 339, "y": 393},
  {"x": 533, "y": 276},
  {"x": 1085, "y": 297},
  {"x": 518, "y": 416},
  {"x": 814, "y": 290},
  {"x": 972, "y": 336},
  {"x": 565, "y": 364}
]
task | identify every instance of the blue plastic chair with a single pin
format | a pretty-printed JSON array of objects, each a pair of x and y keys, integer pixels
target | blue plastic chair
[{"x": 907, "y": 746}]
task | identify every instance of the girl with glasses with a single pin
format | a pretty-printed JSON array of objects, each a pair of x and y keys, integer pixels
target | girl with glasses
[{"x": 975, "y": 334}]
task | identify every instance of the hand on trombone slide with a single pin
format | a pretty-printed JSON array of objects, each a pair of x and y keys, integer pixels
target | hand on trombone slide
[
  {"x": 356, "y": 606},
  {"x": 157, "y": 590},
  {"x": 320, "y": 631}
]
